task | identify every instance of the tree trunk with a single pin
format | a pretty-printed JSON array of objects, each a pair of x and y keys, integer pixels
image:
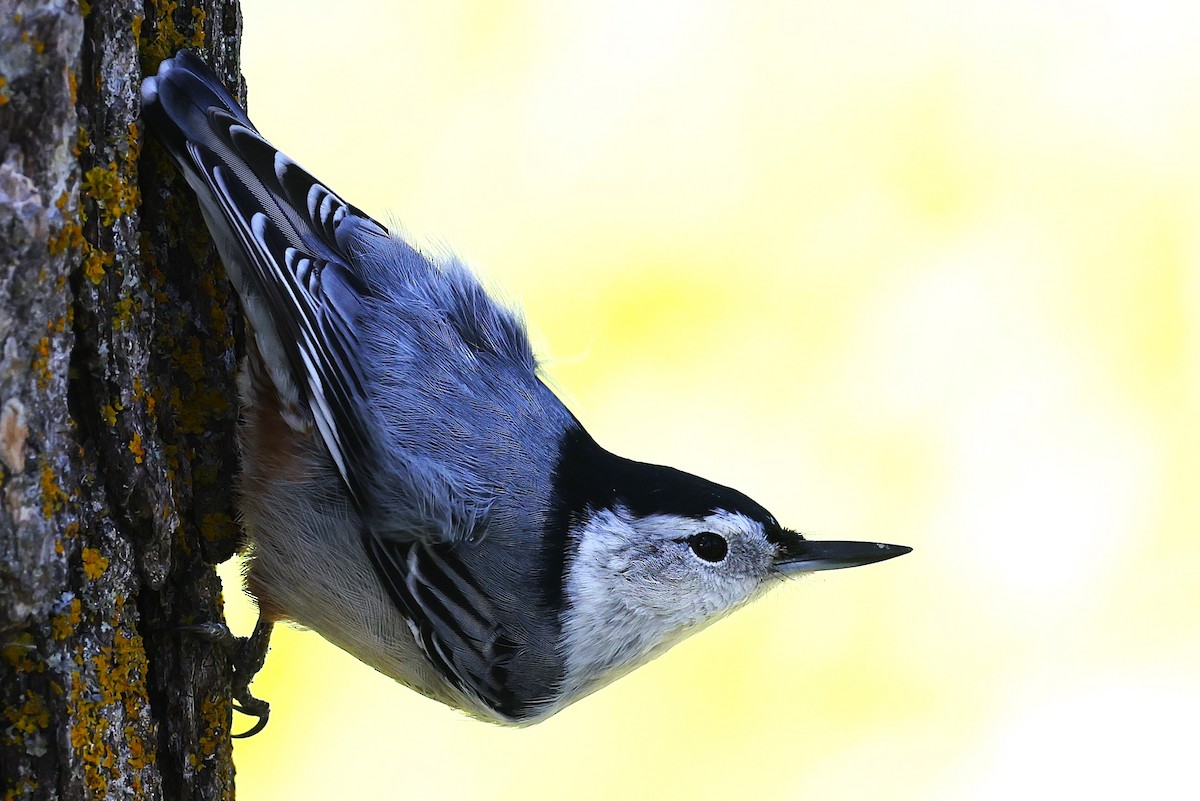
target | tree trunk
[{"x": 119, "y": 340}]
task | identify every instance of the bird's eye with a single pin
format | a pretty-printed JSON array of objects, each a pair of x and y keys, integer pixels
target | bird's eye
[{"x": 708, "y": 546}]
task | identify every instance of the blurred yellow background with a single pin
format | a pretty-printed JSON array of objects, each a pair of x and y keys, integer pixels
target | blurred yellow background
[{"x": 924, "y": 273}]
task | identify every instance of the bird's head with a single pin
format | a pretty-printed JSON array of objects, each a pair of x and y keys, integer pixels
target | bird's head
[{"x": 655, "y": 554}]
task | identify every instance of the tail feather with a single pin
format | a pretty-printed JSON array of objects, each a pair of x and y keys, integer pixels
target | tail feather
[
  {"x": 285, "y": 239},
  {"x": 177, "y": 101}
]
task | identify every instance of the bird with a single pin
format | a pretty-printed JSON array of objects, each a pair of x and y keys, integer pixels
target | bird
[{"x": 411, "y": 488}]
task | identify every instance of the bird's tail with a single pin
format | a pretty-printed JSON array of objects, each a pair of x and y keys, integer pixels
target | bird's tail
[
  {"x": 282, "y": 234},
  {"x": 179, "y": 103}
]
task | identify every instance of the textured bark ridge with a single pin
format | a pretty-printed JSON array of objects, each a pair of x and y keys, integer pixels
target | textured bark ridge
[{"x": 118, "y": 340}]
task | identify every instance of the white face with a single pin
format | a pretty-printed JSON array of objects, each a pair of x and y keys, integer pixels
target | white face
[{"x": 638, "y": 585}]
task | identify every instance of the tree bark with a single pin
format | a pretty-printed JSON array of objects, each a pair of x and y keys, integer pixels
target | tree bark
[{"x": 119, "y": 338}]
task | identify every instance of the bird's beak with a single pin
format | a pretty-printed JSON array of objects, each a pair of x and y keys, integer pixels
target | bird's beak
[{"x": 798, "y": 555}]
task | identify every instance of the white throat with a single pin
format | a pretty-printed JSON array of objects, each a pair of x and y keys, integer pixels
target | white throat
[
  {"x": 616, "y": 619},
  {"x": 604, "y": 634}
]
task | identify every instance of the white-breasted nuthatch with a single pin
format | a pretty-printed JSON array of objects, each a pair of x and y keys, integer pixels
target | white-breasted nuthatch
[{"x": 410, "y": 488}]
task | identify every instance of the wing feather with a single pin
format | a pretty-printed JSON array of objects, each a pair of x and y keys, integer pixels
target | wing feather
[
  {"x": 311, "y": 299},
  {"x": 457, "y": 626}
]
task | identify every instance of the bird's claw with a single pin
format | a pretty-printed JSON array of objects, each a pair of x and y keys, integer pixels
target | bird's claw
[{"x": 247, "y": 654}]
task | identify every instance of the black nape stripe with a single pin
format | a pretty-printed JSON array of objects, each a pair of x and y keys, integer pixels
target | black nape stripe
[{"x": 588, "y": 477}]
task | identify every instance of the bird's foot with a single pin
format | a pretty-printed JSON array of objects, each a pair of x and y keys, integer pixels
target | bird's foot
[{"x": 247, "y": 655}]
